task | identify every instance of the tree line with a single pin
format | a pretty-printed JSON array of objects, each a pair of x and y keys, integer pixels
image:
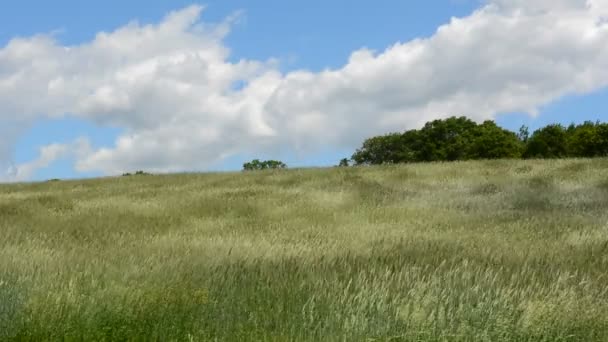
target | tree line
[{"x": 459, "y": 138}]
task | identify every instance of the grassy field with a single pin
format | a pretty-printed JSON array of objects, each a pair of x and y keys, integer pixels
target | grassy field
[{"x": 472, "y": 251}]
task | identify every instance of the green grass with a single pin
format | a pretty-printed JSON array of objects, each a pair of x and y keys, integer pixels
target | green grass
[{"x": 471, "y": 251}]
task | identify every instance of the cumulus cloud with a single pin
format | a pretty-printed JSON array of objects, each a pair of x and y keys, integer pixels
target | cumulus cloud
[
  {"x": 171, "y": 86},
  {"x": 46, "y": 156}
]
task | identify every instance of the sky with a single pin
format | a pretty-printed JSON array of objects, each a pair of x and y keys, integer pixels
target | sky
[{"x": 99, "y": 88}]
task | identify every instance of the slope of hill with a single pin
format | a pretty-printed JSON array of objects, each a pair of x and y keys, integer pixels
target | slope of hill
[{"x": 483, "y": 251}]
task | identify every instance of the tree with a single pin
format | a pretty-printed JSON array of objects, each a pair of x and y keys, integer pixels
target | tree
[
  {"x": 492, "y": 142},
  {"x": 588, "y": 140},
  {"x": 252, "y": 165},
  {"x": 446, "y": 140},
  {"x": 387, "y": 149},
  {"x": 459, "y": 138},
  {"x": 524, "y": 133},
  {"x": 273, "y": 164},
  {"x": 256, "y": 164},
  {"x": 547, "y": 142},
  {"x": 439, "y": 140},
  {"x": 343, "y": 162}
]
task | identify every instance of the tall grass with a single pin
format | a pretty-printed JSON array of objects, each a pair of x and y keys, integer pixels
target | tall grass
[{"x": 471, "y": 251}]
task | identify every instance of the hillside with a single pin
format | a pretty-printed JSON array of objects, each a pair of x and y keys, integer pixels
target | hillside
[{"x": 488, "y": 250}]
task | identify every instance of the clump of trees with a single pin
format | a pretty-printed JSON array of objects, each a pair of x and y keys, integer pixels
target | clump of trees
[
  {"x": 459, "y": 138},
  {"x": 587, "y": 140},
  {"x": 256, "y": 164}
]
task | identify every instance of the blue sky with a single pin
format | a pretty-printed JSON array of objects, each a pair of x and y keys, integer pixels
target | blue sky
[
  {"x": 308, "y": 35},
  {"x": 312, "y": 34}
]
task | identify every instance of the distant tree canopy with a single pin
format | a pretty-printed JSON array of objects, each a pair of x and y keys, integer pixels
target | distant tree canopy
[
  {"x": 256, "y": 164},
  {"x": 548, "y": 142},
  {"x": 492, "y": 142},
  {"x": 459, "y": 138},
  {"x": 588, "y": 140}
]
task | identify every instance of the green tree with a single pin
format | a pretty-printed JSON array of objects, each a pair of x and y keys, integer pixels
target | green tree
[
  {"x": 459, "y": 138},
  {"x": 253, "y": 165},
  {"x": 387, "y": 149},
  {"x": 588, "y": 140},
  {"x": 344, "y": 162},
  {"x": 256, "y": 164},
  {"x": 273, "y": 164},
  {"x": 492, "y": 142},
  {"x": 548, "y": 142},
  {"x": 438, "y": 140},
  {"x": 524, "y": 133},
  {"x": 446, "y": 140}
]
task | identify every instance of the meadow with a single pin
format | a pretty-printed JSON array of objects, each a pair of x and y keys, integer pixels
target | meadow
[{"x": 508, "y": 250}]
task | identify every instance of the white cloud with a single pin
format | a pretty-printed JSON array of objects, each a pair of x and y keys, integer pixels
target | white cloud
[
  {"x": 171, "y": 85},
  {"x": 46, "y": 156}
]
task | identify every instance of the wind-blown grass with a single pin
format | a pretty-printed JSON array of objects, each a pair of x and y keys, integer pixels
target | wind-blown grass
[{"x": 468, "y": 251}]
